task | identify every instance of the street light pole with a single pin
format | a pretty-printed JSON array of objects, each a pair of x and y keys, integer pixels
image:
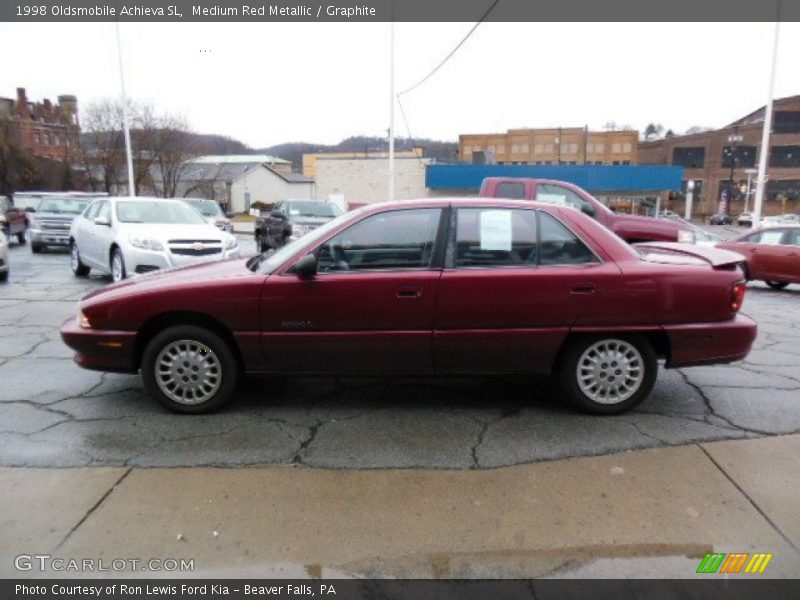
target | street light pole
[
  {"x": 125, "y": 120},
  {"x": 391, "y": 112},
  {"x": 750, "y": 173},
  {"x": 733, "y": 139},
  {"x": 762, "y": 159},
  {"x": 687, "y": 215}
]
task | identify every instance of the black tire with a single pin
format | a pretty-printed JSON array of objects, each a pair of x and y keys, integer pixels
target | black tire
[
  {"x": 4, "y": 276},
  {"x": 36, "y": 248},
  {"x": 206, "y": 341},
  {"x": 116, "y": 253},
  {"x": 574, "y": 353},
  {"x": 78, "y": 268},
  {"x": 22, "y": 237},
  {"x": 777, "y": 285},
  {"x": 263, "y": 245}
]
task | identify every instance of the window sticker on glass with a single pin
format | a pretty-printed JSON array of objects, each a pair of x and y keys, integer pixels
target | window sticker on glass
[
  {"x": 771, "y": 237},
  {"x": 496, "y": 230},
  {"x": 558, "y": 199}
]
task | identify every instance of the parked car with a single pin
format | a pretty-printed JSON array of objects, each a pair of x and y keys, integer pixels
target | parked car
[
  {"x": 292, "y": 219},
  {"x": 212, "y": 212},
  {"x": 773, "y": 254},
  {"x": 441, "y": 287},
  {"x": 49, "y": 224},
  {"x": 721, "y": 219},
  {"x": 630, "y": 228},
  {"x": 779, "y": 220},
  {"x": 744, "y": 219},
  {"x": 669, "y": 214},
  {"x": 3, "y": 257},
  {"x": 13, "y": 220},
  {"x": 30, "y": 200},
  {"x": 127, "y": 235}
]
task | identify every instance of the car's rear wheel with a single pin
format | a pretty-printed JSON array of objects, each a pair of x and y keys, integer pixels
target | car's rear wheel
[
  {"x": 3, "y": 275},
  {"x": 117, "y": 266},
  {"x": 36, "y": 248},
  {"x": 78, "y": 268},
  {"x": 607, "y": 375},
  {"x": 777, "y": 285},
  {"x": 189, "y": 369}
]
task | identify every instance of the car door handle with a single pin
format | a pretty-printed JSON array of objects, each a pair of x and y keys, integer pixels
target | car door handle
[
  {"x": 408, "y": 292},
  {"x": 583, "y": 288}
]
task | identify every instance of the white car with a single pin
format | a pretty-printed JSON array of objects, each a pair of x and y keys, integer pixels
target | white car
[
  {"x": 134, "y": 235},
  {"x": 780, "y": 220},
  {"x": 3, "y": 257}
]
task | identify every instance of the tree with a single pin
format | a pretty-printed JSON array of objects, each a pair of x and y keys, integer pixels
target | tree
[
  {"x": 17, "y": 167},
  {"x": 653, "y": 131}
]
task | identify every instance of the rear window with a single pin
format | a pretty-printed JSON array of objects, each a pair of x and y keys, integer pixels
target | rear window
[{"x": 513, "y": 190}]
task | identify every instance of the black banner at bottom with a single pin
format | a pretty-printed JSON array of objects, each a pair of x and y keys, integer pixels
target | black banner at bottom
[{"x": 399, "y": 589}]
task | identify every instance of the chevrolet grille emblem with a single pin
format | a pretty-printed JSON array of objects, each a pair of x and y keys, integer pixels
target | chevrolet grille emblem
[{"x": 198, "y": 246}]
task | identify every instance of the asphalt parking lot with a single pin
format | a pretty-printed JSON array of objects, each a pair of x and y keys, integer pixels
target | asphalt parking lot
[{"x": 54, "y": 414}]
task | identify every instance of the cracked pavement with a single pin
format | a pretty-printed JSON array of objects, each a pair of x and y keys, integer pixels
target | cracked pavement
[{"x": 54, "y": 414}]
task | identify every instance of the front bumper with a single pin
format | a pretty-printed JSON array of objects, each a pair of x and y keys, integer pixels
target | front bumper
[
  {"x": 710, "y": 343},
  {"x": 100, "y": 350},
  {"x": 45, "y": 237},
  {"x": 138, "y": 260}
]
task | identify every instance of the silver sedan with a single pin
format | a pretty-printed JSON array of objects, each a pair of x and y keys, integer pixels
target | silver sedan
[{"x": 134, "y": 235}]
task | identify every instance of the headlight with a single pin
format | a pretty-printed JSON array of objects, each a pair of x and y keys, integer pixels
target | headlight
[
  {"x": 145, "y": 242},
  {"x": 298, "y": 230},
  {"x": 83, "y": 320}
]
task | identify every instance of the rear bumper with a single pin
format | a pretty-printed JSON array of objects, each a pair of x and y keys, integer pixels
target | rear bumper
[
  {"x": 100, "y": 350},
  {"x": 710, "y": 343}
]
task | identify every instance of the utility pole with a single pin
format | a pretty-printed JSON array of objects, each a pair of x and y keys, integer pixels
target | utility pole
[
  {"x": 125, "y": 119},
  {"x": 762, "y": 159},
  {"x": 391, "y": 110}
]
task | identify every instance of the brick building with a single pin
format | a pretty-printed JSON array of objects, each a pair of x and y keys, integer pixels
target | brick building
[
  {"x": 43, "y": 129},
  {"x": 553, "y": 146},
  {"x": 725, "y": 158}
]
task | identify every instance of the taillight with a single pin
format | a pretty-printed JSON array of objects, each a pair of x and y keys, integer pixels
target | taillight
[{"x": 737, "y": 295}]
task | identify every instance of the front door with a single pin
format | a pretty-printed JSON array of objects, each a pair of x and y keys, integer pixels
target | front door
[{"x": 370, "y": 306}]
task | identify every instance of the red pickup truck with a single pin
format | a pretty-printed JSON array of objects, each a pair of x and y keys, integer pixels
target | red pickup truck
[
  {"x": 13, "y": 221},
  {"x": 630, "y": 228}
]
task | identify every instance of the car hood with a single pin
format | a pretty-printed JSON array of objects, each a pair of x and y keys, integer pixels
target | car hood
[
  {"x": 637, "y": 221},
  {"x": 53, "y": 215},
  {"x": 307, "y": 220},
  {"x": 199, "y": 274}
]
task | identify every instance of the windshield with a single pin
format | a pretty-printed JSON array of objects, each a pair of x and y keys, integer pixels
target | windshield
[
  {"x": 313, "y": 209},
  {"x": 67, "y": 206},
  {"x": 158, "y": 212},
  {"x": 267, "y": 263},
  {"x": 207, "y": 208}
]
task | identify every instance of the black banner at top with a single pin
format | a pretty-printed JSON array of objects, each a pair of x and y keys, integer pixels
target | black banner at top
[{"x": 32, "y": 11}]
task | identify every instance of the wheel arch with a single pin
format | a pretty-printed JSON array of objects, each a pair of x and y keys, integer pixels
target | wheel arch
[{"x": 170, "y": 319}]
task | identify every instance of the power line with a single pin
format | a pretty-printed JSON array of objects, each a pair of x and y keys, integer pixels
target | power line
[
  {"x": 453, "y": 51},
  {"x": 408, "y": 127}
]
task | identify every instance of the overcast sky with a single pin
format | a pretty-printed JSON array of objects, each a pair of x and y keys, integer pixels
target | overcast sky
[{"x": 266, "y": 83}]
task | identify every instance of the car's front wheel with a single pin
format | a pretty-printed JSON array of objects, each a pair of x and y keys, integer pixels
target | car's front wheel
[
  {"x": 117, "y": 266},
  {"x": 22, "y": 237},
  {"x": 777, "y": 285},
  {"x": 608, "y": 375},
  {"x": 78, "y": 268},
  {"x": 189, "y": 369}
]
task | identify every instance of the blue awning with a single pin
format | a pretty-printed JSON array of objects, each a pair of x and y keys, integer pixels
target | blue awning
[{"x": 593, "y": 178}]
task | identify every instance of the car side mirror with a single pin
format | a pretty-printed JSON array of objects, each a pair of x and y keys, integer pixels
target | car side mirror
[
  {"x": 102, "y": 221},
  {"x": 276, "y": 214},
  {"x": 306, "y": 267},
  {"x": 588, "y": 209}
]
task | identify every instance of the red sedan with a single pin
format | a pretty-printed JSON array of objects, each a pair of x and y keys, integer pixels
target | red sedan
[
  {"x": 427, "y": 287},
  {"x": 773, "y": 254}
]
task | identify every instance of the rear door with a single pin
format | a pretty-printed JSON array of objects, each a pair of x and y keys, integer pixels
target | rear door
[
  {"x": 370, "y": 306},
  {"x": 515, "y": 281}
]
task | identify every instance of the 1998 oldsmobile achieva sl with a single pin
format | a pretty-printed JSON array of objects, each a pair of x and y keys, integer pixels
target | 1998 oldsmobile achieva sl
[{"x": 437, "y": 287}]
